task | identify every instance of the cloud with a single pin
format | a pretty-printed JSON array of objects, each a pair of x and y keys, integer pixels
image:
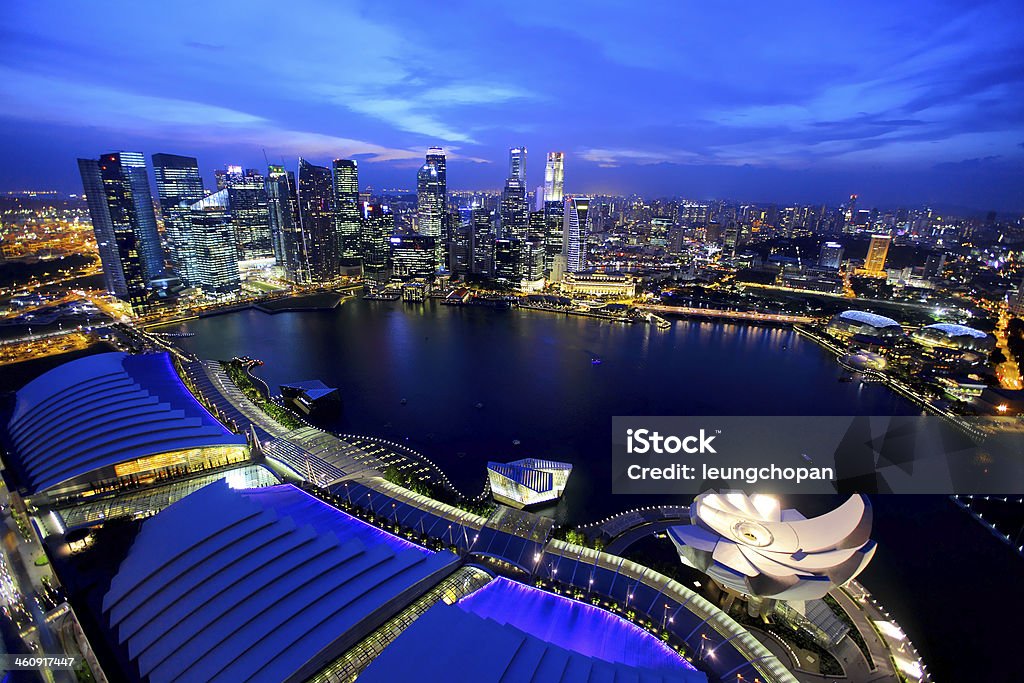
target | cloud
[{"x": 64, "y": 102}]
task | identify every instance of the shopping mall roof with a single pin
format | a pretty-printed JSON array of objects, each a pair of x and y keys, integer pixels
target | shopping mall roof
[
  {"x": 102, "y": 410},
  {"x": 259, "y": 585},
  {"x": 508, "y": 631}
]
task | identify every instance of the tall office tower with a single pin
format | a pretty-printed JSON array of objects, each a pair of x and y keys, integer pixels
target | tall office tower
[
  {"x": 285, "y": 229},
  {"x": 514, "y": 211},
  {"x": 537, "y": 224},
  {"x": 250, "y": 216},
  {"x": 119, "y": 256},
  {"x": 121, "y": 206},
  {"x": 460, "y": 253},
  {"x": 179, "y": 186},
  {"x": 347, "y": 218},
  {"x": 531, "y": 263},
  {"x": 214, "y": 238},
  {"x": 877, "y": 251},
  {"x": 831, "y": 255},
  {"x": 432, "y": 201},
  {"x": 378, "y": 228},
  {"x": 227, "y": 176},
  {"x": 576, "y": 230},
  {"x": 517, "y": 164},
  {"x": 506, "y": 261},
  {"x": 554, "y": 177},
  {"x": 482, "y": 236},
  {"x": 316, "y": 218},
  {"x": 554, "y": 213}
]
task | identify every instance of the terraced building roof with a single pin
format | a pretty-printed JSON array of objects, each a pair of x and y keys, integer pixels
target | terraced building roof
[{"x": 102, "y": 410}]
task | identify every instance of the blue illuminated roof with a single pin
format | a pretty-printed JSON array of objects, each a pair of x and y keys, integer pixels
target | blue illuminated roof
[
  {"x": 260, "y": 585},
  {"x": 102, "y": 410},
  {"x": 866, "y": 318},
  {"x": 951, "y": 330},
  {"x": 508, "y": 631}
]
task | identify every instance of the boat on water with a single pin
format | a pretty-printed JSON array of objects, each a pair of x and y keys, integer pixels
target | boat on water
[{"x": 595, "y": 361}]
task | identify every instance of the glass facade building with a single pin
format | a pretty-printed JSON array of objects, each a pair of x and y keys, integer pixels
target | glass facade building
[
  {"x": 346, "y": 209},
  {"x": 179, "y": 185},
  {"x": 316, "y": 218}
]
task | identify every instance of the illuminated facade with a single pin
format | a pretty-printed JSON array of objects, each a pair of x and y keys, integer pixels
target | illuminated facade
[
  {"x": 752, "y": 547},
  {"x": 874, "y": 263},
  {"x": 213, "y": 238},
  {"x": 575, "y": 232},
  {"x": 527, "y": 482},
  {"x": 950, "y": 336},
  {"x": 250, "y": 218},
  {"x": 599, "y": 284},
  {"x": 110, "y": 419},
  {"x": 378, "y": 227},
  {"x": 179, "y": 185},
  {"x": 316, "y": 218},
  {"x": 346, "y": 208},
  {"x": 554, "y": 177},
  {"x": 431, "y": 200}
]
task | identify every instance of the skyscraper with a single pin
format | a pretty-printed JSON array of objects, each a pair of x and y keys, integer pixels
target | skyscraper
[
  {"x": 576, "y": 230},
  {"x": 250, "y": 217},
  {"x": 482, "y": 236},
  {"x": 431, "y": 201},
  {"x": 378, "y": 227},
  {"x": 554, "y": 214},
  {"x": 348, "y": 222},
  {"x": 124, "y": 222},
  {"x": 285, "y": 230},
  {"x": 316, "y": 218},
  {"x": 227, "y": 176},
  {"x": 517, "y": 164},
  {"x": 214, "y": 240},
  {"x": 877, "y": 251},
  {"x": 554, "y": 177},
  {"x": 514, "y": 211},
  {"x": 831, "y": 255},
  {"x": 179, "y": 185}
]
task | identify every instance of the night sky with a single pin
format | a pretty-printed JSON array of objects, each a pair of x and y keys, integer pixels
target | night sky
[{"x": 911, "y": 102}]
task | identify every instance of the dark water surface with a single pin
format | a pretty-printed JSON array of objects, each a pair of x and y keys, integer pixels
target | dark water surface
[{"x": 940, "y": 574}]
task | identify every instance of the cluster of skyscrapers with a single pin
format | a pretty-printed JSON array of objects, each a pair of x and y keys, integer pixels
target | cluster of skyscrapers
[{"x": 315, "y": 226}]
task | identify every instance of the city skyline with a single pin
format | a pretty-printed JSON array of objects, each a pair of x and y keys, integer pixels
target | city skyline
[{"x": 920, "y": 107}]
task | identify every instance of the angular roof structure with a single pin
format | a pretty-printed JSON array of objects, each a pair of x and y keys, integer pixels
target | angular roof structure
[
  {"x": 535, "y": 474},
  {"x": 102, "y": 410},
  {"x": 510, "y": 632},
  {"x": 260, "y": 585}
]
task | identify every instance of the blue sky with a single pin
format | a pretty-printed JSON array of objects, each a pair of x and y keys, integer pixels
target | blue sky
[{"x": 909, "y": 102}]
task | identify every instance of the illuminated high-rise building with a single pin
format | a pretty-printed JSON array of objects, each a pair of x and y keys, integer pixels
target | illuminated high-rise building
[
  {"x": 850, "y": 215},
  {"x": 378, "y": 228},
  {"x": 412, "y": 256},
  {"x": 227, "y": 176},
  {"x": 831, "y": 255},
  {"x": 316, "y": 218},
  {"x": 431, "y": 201},
  {"x": 285, "y": 229},
  {"x": 575, "y": 231},
  {"x": 877, "y": 251},
  {"x": 554, "y": 228},
  {"x": 179, "y": 185},
  {"x": 250, "y": 217},
  {"x": 348, "y": 221},
  {"x": 517, "y": 164},
  {"x": 482, "y": 236},
  {"x": 514, "y": 211},
  {"x": 213, "y": 236},
  {"x": 554, "y": 177},
  {"x": 121, "y": 207}
]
